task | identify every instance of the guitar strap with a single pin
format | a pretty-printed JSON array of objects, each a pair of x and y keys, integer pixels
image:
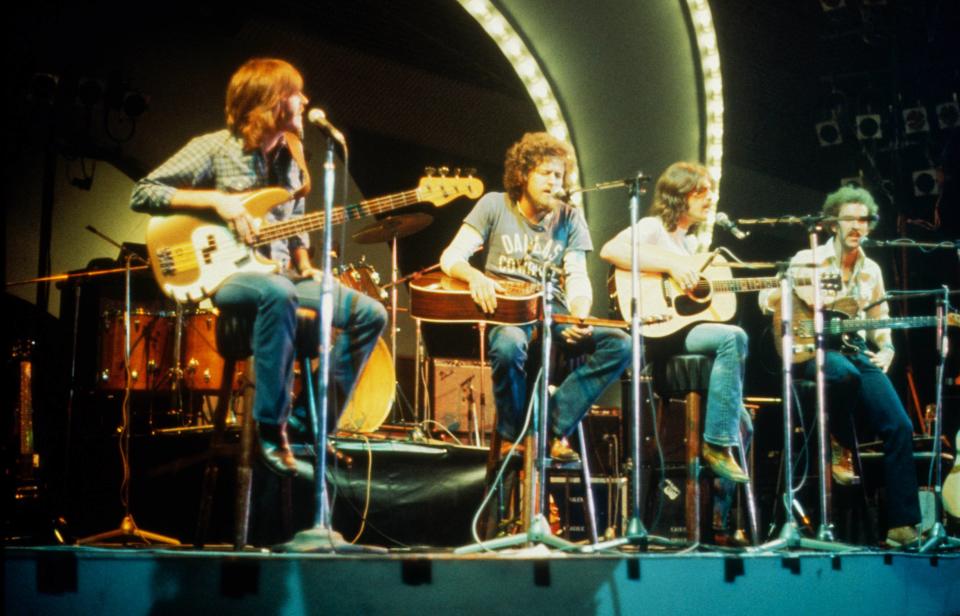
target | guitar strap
[{"x": 295, "y": 145}]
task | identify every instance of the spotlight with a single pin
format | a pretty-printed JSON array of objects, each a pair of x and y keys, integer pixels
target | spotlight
[
  {"x": 134, "y": 104},
  {"x": 925, "y": 183},
  {"x": 948, "y": 115},
  {"x": 832, "y": 5},
  {"x": 868, "y": 126},
  {"x": 915, "y": 120},
  {"x": 828, "y": 133}
]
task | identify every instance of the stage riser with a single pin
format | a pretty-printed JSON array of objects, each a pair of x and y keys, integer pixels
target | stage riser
[{"x": 134, "y": 582}]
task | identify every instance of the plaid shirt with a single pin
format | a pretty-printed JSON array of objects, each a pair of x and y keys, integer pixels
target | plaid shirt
[
  {"x": 217, "y": 161},
  {"x": 865, "y": 287}
]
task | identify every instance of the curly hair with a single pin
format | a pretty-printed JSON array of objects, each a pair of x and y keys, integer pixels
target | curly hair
[
  {"x": 850, "y": 194},
  {"x": 673, "y": 189},
  {"x": 524, "y": 156},
  {"x": 255, "y": 97}
]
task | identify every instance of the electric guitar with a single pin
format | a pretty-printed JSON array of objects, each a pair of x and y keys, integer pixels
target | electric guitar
[
  {"x": 192, "y": 254},
  {"x": 714, "y": 298},
  {"x": 840, "y": 327}
]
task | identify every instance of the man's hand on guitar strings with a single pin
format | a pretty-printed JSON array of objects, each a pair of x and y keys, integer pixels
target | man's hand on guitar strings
[
  {"x": 230, "y": 209},
  {"x": 484, "y": 291}
]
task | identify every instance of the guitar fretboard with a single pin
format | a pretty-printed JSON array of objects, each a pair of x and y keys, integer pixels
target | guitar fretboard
[{"x": 315, "y": 220}]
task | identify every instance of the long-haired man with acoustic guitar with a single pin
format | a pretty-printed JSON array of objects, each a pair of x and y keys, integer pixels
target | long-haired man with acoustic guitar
[
  {"x": 210, "y": 176},
  {"x": 684, "y": 197},
  {"x": 525, "y": 230},
  {"x": 857, "y": 383}
]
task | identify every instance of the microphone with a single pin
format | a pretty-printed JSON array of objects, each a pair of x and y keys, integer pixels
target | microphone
[
  {"x": 723, "y": 221},
  {"x": 317, "y": 117}
]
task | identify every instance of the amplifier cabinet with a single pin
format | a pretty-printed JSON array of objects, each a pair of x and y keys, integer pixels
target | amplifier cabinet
[{"x": 457, "y": 388}]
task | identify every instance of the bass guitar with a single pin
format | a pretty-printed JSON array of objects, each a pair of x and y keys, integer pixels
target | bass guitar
[
  {"x": 714, "y": 299},
  {"x": 840, "y": 327},
  {"x": 192, "y": 254}
]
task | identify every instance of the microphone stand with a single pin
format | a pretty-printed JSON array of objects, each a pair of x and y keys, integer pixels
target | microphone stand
[
  {"x": 938, "y": 534},
  {"x": 789, "y": 537},
  {"x": 637, "y": 534},
  {"x": 128, "y": 527},
  {"x": 321, "y": 537},
  {"x": 535, "y": 458}
]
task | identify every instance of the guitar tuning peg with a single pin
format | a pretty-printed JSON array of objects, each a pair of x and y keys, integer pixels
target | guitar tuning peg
[
  {"x": 444, "y": 170},
  {"x": 456, "y": 171},
  {"x": 470, "y": 172},
  {"x": 430, "y": 171}
]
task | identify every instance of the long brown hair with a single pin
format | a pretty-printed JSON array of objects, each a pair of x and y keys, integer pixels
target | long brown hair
[
  {"x": 674, "y": 187},
  {"x": 255, "y": 97}
]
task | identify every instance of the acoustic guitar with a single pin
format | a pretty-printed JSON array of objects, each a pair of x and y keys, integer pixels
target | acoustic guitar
[
  {"x": 714, "y": 299},
  {"x": 436, "y": 297},
  {"x": 192, "y": 254},
  {"x": 951, "y": 485}
]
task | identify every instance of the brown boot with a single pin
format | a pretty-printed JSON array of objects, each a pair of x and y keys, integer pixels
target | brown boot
[{"x": 721, "y": 462}]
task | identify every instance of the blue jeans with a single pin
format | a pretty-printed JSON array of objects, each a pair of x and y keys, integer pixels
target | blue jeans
[
  {"x": 860, "y": 392},
  {"x": 727, "y": 344},
  {"x": 275, "y": 299},
  {"x": 509, "y": 346}
]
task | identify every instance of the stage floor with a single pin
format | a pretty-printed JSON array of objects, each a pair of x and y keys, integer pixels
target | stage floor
[{"x": 134, "y": 581}]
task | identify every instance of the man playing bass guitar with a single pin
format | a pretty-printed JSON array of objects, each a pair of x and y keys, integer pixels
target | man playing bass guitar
[
  {"x": 856, "y": 381},
  {"x": 261, "y": 147}
]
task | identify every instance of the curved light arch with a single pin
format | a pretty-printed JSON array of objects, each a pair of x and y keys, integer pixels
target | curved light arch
[{"x": 528, "y": 69}]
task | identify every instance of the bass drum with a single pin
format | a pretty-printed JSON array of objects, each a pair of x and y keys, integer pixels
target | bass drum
[
  {"x": 374, "y": 394},
  {"x": 202, "y": 365},
  {"x": 151, "y": 351}
]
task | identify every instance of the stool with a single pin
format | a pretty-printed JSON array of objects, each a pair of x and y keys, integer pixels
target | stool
[
  {"x": 234, "y": 333},
  {"x": 687, "y": 376},
  {"x": 563, "y": 367}
]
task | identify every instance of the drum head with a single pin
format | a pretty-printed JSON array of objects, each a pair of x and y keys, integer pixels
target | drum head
[{"x": 374, "y": 394}]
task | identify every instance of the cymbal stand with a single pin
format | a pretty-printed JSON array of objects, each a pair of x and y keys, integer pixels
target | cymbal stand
[
  {"x": 637, "y": 534},
  {"x": 938, "y": 534},
  {"x": 128, "y": 527}
]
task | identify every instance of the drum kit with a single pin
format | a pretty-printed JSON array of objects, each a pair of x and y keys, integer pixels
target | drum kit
[{"x": 178, "y": 352}]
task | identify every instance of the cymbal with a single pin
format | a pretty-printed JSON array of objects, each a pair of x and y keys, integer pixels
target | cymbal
[{"x": 391, "y": 227}]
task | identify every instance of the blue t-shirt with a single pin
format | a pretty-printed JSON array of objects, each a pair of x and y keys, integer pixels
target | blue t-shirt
[{"x": 516, "y": 248}]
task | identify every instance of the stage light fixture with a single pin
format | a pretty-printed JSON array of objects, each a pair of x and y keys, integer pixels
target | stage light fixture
[
  {"x": 925, "y": 182},
  {"x": 832, "y": 5},
  {"x": 868, "y": 126},
  {"x": 134, "y": 104},
  {"x": 915, "y": 120},
  {"x": 828, "y": 133},
  {"x": 948, "y": 115}
]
